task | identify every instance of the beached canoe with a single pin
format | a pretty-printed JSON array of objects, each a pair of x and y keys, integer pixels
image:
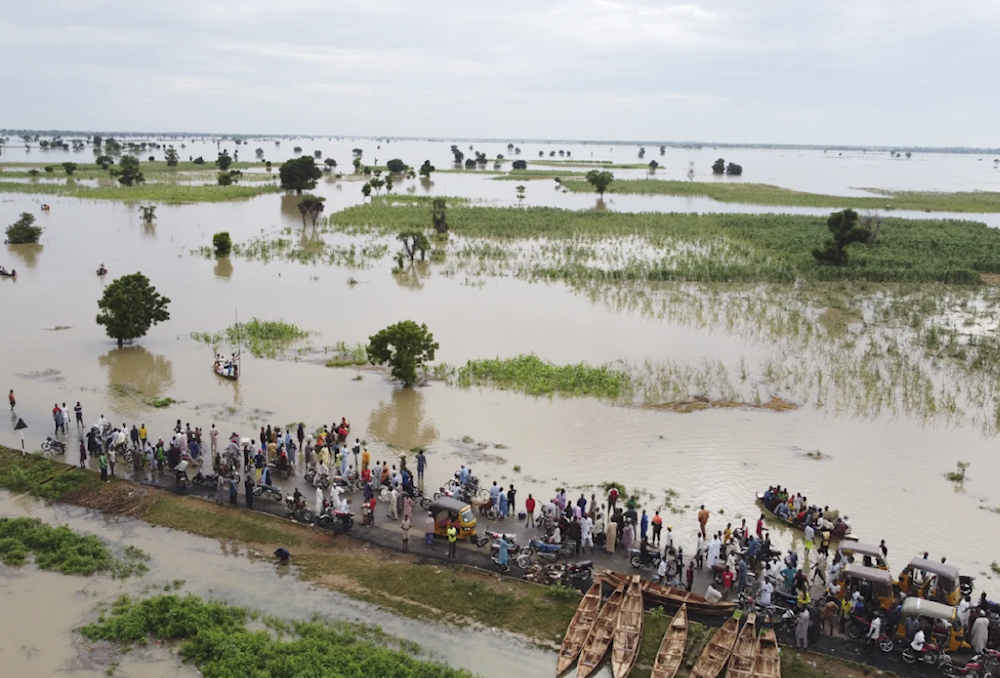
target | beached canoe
[
  {"x": 671, "y": 653},
  {"x": 628, "y": 631},
  {"x": 601, "y": 634},
  {"x": 741, "y": 661},
  {"x": 579, "y": 627},
  {"x": 716, "y": 653},
  {"x": 767, "y": 664},
  {"x": 834, "y": 537},
  {"x": 669, "y": 597}
]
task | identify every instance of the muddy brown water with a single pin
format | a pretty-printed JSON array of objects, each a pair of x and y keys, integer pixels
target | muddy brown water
[
  {"x": 885, "y": 473},
  {"x": 42, "y": 609}
]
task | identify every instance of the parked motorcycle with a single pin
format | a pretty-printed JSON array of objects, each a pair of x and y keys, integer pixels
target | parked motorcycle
[
  {"x": 268, "y": 492},
  {"x": 298, "y": 512},
  {"x": 545, "y": 551},
  {"x": 931, "y": 655},
  {"x": 979, "y": 666},
  {"x": 334, "y": 519},
  {"x": 53, "y": 445},
  {"x": 636, "y": 560}
]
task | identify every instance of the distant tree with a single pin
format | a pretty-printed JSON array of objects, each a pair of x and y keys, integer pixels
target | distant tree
[
  {"x": 426, "y": 169},
  {"x": 297, "y": 150},
  {"x": 413, "y": 242},
  {"x": 405, "y": 346},
  {"x": 50, "y": 168},
  {"x": 510, "y": 147},
  {"x": 24, "y": 230},
  {"x": 151, "y": 158},
  {"x": 130, "y": 306},
  {"x": 388, "y": 183},
  {"x": 517, "y": 151},
  {"x": 128, "y": 173},
  {"x": 300, "y": 174},
  {"x": 541, "y": 154},
  {"x": 719, "y": 166},
  {"x": 642, "y": 152},
  {"x": 459, "y": 156},
  {"x": 908, "y": 155},
  {"x": 439, "y": 216},
  {"x": 331, "y": 164},
  {"x": 396, "y": 166},
  {"x": 734, "y": 169},
  {"x": 663, "y": 150},
  {"x": 311, "y": 206},
  {"x": 171, "y": 157},
  {"x": 148, "y": 213},
  {"x": 520, "y": 165},
  {"x": 222, "y": 244},
  {"x": 229, "y": 178},
  {"x": 653, "y": 165},
  {"x": 366, "y": 190},
  {"x": 259, "y": 153},
  {"x": 199, "y": 160},
  {"x": 69, "y": 167},
  {"x": 690, "y": 171},
  {"x": 223, "y": 161},
  {"x": 845, "y": 230},
  {"x": 470, "y": 163},
  {"x": 497, "y": 163},
  {"x": 317, "y": 154},
  {"x": 33, "y": 172},
  {"x": 97, "y": 140},
  {"x": 520, "y": 193},
  {"x": 600, "y": 180},
  {"x": 357, "y": 152}
]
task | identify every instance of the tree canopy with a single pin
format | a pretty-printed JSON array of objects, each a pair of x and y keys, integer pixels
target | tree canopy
[
  {"x": 128, "y": 173},
  {"x": 224, "y": 161},
  {"x": 299, "y": 174},
  {"x": 426, "y": 169},
  {"x": 405, "y": 346},
  {"x": 130, "y": 306},
  {"x": 600, "y": 180},
  {"x": 396, "y": 166},
  {"x": 845, "y": 229},
  {"x": 311, "y": 206},
  {"x": 719, "y": 166},
  {"x": 24, "y": 230}
]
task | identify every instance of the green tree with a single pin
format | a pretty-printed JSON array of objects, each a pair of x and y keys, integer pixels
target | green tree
[
  {"x": 405, "y": 346},
  {"x": 128, "y": 173},
  {"x": 198, "y": 161},
  {"x": 311, "y": 206},
  {"x": 719, "y": 166},
  {"x": 734, "y": 169},
  {"x": 69, "y": 167},
  {"x": 331, "y": 164},
  {"x": 104, "y": 161},
  {"x": 396, "y": 166},
  {"x": 653, "y": 165},
  {"x": 520, "y": 193},
  {"x": 366, "y": 190},
  {"x": 130, "y": 306},
  {"x": 413, "y": 242},
  {"x": 426, "y": 169},
  {"x": 222, "y": 244},
  {"x": 224, "y": 161},
  {"x": 600, "y": 180},
  {"x": 299, "y": 174},
  {"x": 50, "y": 168},
  {"x": 97, "y": 140},
  {"x": 520, "y": 165},
  {"x": 225, "y": 179},
  {"x": 24, "y": 230},
  {"x": 388, "y": 183},
  {"x": 439, "y": 215},
  {"x": 845, "y": 230},
  {"x": 148, "y": 213},
  {"x": 171, "y": 157}
]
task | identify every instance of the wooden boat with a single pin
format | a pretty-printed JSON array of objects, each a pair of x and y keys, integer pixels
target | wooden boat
[
  {"x": 671, "y": 652},
  {"x": 601, "y": 633},
  {"x": 716, "y": 653},
  {"x": 628, "y": 631},
  {"x": 767, "y": 663},
  {"x": 669, "y": 597},
  {"x": 741, "y": 661},
  {"x": 102, "y": 271},
  {"x": 834, "y": 537},
  {"x": 9, "y": 274},
  {"x": 579, "y": 627},
  {"x": 232, "y": 371}
]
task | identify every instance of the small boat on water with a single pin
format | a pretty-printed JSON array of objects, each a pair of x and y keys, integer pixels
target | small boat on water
[
  {"x": 767, "y": 663},
  {"x": 717, "y": 652},
  {"x": 669, "y": 597},
  {"x": 8, "y": 274},
  {"x": 579, "y": 627},
  {"x": 671, "y": 652},
  {"x": 741, "y": 661},
  {"x": 628, "y": 631},
  {"x": 231, "y": 367},
  {"x": 834, "y": 535},
  {"x": 601, "y": 634},
  {"x": 101, "y": 270}
]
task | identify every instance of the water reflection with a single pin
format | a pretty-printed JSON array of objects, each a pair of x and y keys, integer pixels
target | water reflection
[
  {"x": 28, "y": 253},
  {"x": 223, "y": 269},
  {"x": 426, "y": 184},
  {"x": 134, "y": 376},
  {"x": 413, "y": 274},
  {"x": 401, "y": 422},
  {"x": 290, "y": 206}
]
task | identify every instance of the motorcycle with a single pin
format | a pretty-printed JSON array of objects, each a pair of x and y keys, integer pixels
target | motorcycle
[
  {"x": 581, "y": 571},
  {"x": 858, "y": 627},
  {"x": 282, "y": 467},
  {"x": 636, "y": 560},
  {"x": 212, "y": 479},
  {"x": 931, "y": 655},
  {"x": 268, "y": 491},
  {"x": 979, "y": 666},
  {"x": 546, "y": 551},
  {"x": 323, "y": 481},
  {"x": 350, "y": 482},
  {"x": 334, "y": 519},
  {"x": 180, "y": 473},
  {"x": 53, "y": 445},
  {"x": 298, "y": 512}
]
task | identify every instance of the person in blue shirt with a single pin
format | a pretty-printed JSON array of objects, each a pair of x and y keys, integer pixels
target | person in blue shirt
[
  {"x": 643, "y": 525},
  {"x": 495, "y": 494},
  {"x": 502, "y": 504},
  {"x": 421, "y": 465},
  {"x": 463, "y": 475},
  {"x": 503, "y": 555}
]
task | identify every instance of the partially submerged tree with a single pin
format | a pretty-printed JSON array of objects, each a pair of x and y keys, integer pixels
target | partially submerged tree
[
  {"x": 405, "y": 346},
  {"x": 653, "y": 165},
  {"x": 222, "y": 244},
  {"x": 311, "y": 206},
  {"x": 426, "y": 169},
  {"x": 331, "y": 164},
  {"x": 224, "y": 161},
  {"x": 734, "y": 169},
  {"x": 519, "y": 165},
  {"x": 520, "y": 193},
  {"x": 396, "y": 166},
  {"x": 148, "y": 213},
  {"x": 439, "y": 215},
  {"x": 130, "y": 306},
  {"x": 69, "y": 168},
  {"x": 171, "y": 157},
  {"x": 691, "y": 171},
  {"x": 600, "y": 180},
  {"x": 845, "y": 230},
  {"x": 413, "y": 242},
  {"x": 719, "y": 166},
  {"x": 300, "y": 174},
  {"x": 128, "y": 173},
  {"x": 24, "y": 230}
]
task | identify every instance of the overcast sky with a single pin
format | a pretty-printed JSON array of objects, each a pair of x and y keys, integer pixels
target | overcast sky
[{"x": 899, "y": 72}]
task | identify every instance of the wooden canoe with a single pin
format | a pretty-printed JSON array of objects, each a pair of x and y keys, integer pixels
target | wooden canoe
[
  {"x": 670, "y": 597},
  {"x": 628, "y": 631},
  {"x": 741, "y": 661},
  {"x": 767, "y": 663},
  {"x": 579, "y": 627},
  {"x": 795, "y": 526},
  {"x": 601, "y": 633},
  {"x": 716, "y": 653},
  {"x": 671, "y": 652}
]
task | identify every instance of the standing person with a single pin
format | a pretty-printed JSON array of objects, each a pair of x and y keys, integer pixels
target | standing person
[
  {"x": 220, "y": 488},
  {"x": 810, "y": 534},
  {"x": 760, "y": 527},
  {"x": 78, "y": 410},
  {"x": 407, "y": 508},
  {"x": 134, "y": 437},
  {"x": 644, "y": 526},
  {"x": 980, "y": 633},
  {"x": 611, "y": 536},
  {"x": 741, "y": 576},
  {"x": 802, "y": 629},
  {"x": 529, "y": 509},
  {"x": 258, "y": 464},
  {"x": 727, "y": 582},
  {"x": 405, "y": 527},
  {"x": 874, "y": 631},
  {"x": 102, "y": 462},
  {"x": 689, "y": 575},
  {"x": 150, "y": 455},
  {"x": 703, "y": 521},
  {"x": 819, "y": 569},
  {"x": 612, "y": 499},
  {"x": 366, "y": 460},
  {"x": 55, "y": 417},
  {"x": 699, "y": 551},
  {"x": 249, "y": 484},
  {"x": 502, "y": 508},
  {"x": 587, "y": 533},
  {"x": 511, "y": 496},
  {"x": 393, "y": 501},
  {"x": 83, "y": 454},
  {"x": 213, "y": 438},
  {"x": 12, "y": 401},
  {"x": 421, "y": 465},
  {"x": 233, "y": 492},
  {"x": 429, "y": 529},
  {"x": 452, "y": 540},
  {"x": 300, "y": 434},
  {"x": 112, "y": 458},
  {"x": 657, "y": 528},
  {"x": 356, "y": 450}
]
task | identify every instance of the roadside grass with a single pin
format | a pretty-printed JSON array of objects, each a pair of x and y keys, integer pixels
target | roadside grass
[{"x": 196, "y": 516}]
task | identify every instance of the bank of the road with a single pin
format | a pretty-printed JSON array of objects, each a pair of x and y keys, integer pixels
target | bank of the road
[{"x": 368, "y": 565}]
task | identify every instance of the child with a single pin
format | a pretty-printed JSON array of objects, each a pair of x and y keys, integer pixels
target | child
[
  {"x": 405, "y": 525},
  {"x": 727, "y": 582}
]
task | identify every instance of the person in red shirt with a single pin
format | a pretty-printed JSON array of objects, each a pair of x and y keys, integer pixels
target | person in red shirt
[
  {"x": 529, "y": 508},
  {"x": 760, "y": 527},
  {"x": 612, "y": 499},
  {"x": 657, "y": 528},
  {"x": 727, "y": 583}
]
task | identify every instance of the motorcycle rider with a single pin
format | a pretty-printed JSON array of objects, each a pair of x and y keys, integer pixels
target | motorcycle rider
[{"x": 917, "y": 644}]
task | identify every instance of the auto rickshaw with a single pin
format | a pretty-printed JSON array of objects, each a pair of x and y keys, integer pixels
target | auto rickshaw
[
  {"x": 950, "y": 633},
  {"x": 872, "y": 583},
  {"x": 871, "y": 556},
  {"x": 939, "y": 582},
  {"x": 447, "y": 511}
]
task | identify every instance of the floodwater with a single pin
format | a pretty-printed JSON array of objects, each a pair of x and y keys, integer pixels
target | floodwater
[
  {"x": 41, "y": 609},
  {"x": 885, "y": 473}
]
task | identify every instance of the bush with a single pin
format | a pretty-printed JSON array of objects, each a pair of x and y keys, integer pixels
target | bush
[
  {"x": 222, "y": 244},
  {"x": 199, "y": 160},
  {"x": 396, "y": 166},
  {"x": 520, "y": 165},
  {"x": 24, "y": 230}
]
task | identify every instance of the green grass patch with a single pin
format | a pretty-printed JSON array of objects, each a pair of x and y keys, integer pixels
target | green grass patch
[
  {"x": 163, "y": 402},
  {"x": 167, "y": 193},
  {"x": 344, "y": 355},
  {"x": 191, "y": 515},
  {"x": 41, "y": 476},
  {"x": 767, "y": 194},
  {"x": 529, "y": 174},
  {"x": 62, "y": 550},
  {"x": 603, "y": 164},
  {"x": 534, "y": 376},
  {"x": 263, "y": 338}
]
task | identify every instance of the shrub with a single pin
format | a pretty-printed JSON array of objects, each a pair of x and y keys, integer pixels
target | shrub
[
  {"x": 24, "y": 230},
  {"x": 222, "y": 244},
  {"x": 396, "y": 166}
]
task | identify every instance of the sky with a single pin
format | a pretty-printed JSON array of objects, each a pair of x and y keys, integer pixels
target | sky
[{"x": 878, "y": 72}]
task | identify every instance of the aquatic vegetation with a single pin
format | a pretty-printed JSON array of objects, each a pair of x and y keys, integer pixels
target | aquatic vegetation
[
  {"x": 263, "y": 338},
  {"x": 217, "y": 638},
  {"x": 346, "y": 355},
  {"x": 63, "y": 550},
  {"x": 958, "y": 476},
  {"x": 168, "y": 193},
  {"x": 534, "y": 376},
  {"x": 306, "y": 247},
  {"x": 163, "y": 402}
]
